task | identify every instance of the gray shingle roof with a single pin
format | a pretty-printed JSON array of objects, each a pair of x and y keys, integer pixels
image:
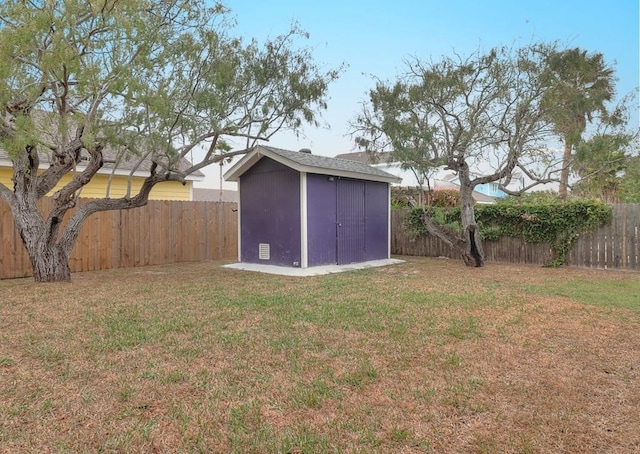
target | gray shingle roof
[{"x": 326, "y": 164}]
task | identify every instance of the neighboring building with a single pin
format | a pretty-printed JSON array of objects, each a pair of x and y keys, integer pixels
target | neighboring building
[
  {"x": 302, "y": 210},
  {"x": 215, "y": 195},
  {"x": 491, "y": 189},
  {"x": 445, "y": 179},
  {"x": 213, "y": 188},
  {"x": 518, "y": 183},
  {"x": 441, "y": 181},
  {"x": 381, "y": 161},
  {"x": 478, "y": 197},
  {"x": 115, "y": 178}
]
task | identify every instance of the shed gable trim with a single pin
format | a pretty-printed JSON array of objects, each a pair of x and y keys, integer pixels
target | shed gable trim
[
  {"x": 250, "y": 159},
  {"x": 304, "y": 213}
]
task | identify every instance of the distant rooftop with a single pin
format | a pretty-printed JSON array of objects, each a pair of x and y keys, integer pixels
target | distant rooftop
[
  {"x": 440, "y": 185},
  {"x": 215, "y": 195},
  {"x": 113, "y": 160}
]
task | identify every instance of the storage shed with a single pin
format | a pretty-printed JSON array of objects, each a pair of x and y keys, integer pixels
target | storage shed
[{"x": 302, "y": 210}]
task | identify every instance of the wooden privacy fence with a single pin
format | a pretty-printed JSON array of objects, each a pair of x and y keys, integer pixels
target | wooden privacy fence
[
  {"x": 615, "y": 246},
  {"x": 158, "y": 233}
]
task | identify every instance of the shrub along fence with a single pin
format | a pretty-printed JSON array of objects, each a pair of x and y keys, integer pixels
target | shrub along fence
[
  {"x": 615, "y": 246},
  {"x": 158, "y": 233}
]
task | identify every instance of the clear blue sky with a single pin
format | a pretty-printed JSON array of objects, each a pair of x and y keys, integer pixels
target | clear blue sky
[{"x": 375, "y": 37}]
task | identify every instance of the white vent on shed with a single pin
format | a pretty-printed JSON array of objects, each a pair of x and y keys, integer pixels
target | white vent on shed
[{"x": 264, "y": 251}]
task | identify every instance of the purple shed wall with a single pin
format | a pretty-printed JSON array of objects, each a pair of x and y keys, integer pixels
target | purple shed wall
[
  {"x": 321, "y": 220},
  {"x": 346, "y": 220},
  {"x": 351, "y": 221},
  {"x": 270, "y": 213},
  {"x": 377, "y": 220}
]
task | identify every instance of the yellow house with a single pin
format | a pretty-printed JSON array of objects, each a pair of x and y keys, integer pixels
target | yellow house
[{"x": 113, "y": 183}]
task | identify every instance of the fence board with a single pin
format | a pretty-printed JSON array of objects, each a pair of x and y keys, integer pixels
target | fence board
[
  {"x": 124, "y": 258},
  {"x": 632, "y": 240},
  {"x": 10, "y": 254},
  {"x": 161, "y": 232},
  {"x": 615, "y": 246}
]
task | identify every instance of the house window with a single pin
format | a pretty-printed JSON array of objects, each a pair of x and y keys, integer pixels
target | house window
[{"x": 494, "y": 187}]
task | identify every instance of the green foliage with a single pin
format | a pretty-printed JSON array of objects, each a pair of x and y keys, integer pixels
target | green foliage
[
  {"x": 458, "y": 110},
  {"x": 84, "y": 83},
  {"x": 25, "y": 136},
  {"x": 629, "y": 190},
  {"x": 599, "y": 162},
  {"x": 538, "y": 197},
  {"x": 578, "y": 85},
  {"x": 557, "y": 223},
  {"x": 414, "y": 197},
  {"x": 407, "y": 197},
  {"x": 171, "y": 72},
  {"x": 448, "y": 218}
]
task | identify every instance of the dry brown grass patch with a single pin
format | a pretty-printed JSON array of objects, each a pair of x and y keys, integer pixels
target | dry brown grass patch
[{"x": 426, "y": 356}]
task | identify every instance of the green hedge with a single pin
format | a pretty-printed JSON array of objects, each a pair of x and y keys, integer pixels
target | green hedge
[{"x": 557, "y": 223}]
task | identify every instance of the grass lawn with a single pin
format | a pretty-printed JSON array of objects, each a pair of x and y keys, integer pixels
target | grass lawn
[{"x": 425, "y": 356}]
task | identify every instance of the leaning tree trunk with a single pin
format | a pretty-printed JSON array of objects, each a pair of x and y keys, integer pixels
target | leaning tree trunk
[
  {"x": 473, "y": 252},
  {"x": 467, "y": 244}
]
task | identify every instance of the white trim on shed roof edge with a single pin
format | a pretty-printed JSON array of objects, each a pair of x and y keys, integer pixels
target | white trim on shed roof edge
[{"x": 235, "y": 172}]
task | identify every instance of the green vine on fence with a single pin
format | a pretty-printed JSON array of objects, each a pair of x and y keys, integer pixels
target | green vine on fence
[{"x": 559, "y": 223}]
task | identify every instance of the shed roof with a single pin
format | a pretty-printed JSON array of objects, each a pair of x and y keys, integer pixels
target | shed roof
[{"x": 310, "y": 163}]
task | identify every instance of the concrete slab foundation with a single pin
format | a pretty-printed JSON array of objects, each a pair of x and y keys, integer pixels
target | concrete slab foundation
[{"x": 312, "y": 271}]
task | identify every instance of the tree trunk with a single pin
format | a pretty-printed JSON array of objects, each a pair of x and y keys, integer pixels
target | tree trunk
[
  {"x": 564, "y": 172},
  {"x": 473, "y": 253},
  {"x": 47, "y": 244},
  {"x": 50, "y": 265},
  {"x": 469, "y": 244},
  {"x": 50, "y": 261}
]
